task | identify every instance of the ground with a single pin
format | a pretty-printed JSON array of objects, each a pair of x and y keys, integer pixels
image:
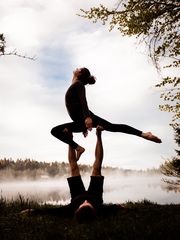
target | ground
[{"x": 141, "y": 221}]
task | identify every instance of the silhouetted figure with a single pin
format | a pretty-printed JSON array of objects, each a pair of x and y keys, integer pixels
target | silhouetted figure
[
  {"x": 85, "y": 204},
  {"x": 83, "y": 118}
]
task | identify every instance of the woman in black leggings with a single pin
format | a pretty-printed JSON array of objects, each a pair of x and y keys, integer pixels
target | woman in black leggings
[{"x": 83, "y": 118}]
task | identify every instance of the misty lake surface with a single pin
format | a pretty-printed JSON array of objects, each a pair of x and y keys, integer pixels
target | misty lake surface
[{"x": 117, "y": 189}]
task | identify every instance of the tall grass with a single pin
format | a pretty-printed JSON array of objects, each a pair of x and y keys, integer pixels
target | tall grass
[{"x": 142, "y": 221}]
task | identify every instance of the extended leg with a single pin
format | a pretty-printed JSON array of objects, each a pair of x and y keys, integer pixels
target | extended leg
[
  {"x": 72, "y": 157},
  {"x": 111, "y": 127},
  {"x": 74, "y": 168},
  {"x": 96, "y": 184},
  {"x": 76, "y": 185},
  {"x": 98, "y": 153}
]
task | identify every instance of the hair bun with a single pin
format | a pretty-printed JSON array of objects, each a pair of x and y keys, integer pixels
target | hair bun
[{"x": 91, "y": 80}]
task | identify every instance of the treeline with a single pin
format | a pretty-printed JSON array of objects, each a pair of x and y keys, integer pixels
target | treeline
[{"x": 33, "y": 169}]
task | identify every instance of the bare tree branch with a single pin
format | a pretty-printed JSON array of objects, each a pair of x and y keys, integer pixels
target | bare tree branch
[{"x": 3, "y": 51}]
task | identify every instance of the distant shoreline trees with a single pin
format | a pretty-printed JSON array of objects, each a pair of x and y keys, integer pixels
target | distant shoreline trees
[
  {"x": 32, "y": 169},
  {"x": 171, "y": 168}
]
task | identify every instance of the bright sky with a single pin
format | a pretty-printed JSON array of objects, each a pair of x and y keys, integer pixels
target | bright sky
[{"x": 32, "y": 92}]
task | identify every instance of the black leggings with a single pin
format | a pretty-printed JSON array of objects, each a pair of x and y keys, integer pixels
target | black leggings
[{"x": 79, "y": 126}]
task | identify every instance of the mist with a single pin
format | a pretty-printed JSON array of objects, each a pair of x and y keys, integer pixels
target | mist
[{"x": 118, "y": 188}]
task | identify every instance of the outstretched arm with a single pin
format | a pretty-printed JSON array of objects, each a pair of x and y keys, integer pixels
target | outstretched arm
[{"x": 98, "y": 153}]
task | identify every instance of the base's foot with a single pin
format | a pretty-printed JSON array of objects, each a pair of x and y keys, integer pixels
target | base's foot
[
  {"x": 79, "y": 151},
  {"x": 149, "y": 136}
]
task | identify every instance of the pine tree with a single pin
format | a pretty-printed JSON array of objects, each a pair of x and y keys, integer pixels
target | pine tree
[{"x": 171, "y": 167}]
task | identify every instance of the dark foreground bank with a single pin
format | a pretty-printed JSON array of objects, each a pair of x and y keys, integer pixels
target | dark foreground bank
[{"x": 141, "y": 221}]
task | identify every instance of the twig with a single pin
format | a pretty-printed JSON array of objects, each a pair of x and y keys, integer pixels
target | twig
[{"x": 14, "y": 53}]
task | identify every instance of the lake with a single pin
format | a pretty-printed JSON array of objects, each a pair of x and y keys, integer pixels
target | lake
[{"x": 117, "y": 189}]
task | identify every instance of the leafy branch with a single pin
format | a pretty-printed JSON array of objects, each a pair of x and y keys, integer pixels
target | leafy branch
[{"x": 155, "y": 23}]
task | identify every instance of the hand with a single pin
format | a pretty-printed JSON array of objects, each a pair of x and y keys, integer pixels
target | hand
[
  {"x": 88, "y": 123},
  {"x": 85, "y": 133}
]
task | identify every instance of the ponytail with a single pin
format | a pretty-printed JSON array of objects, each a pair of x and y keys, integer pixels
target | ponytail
[
  {"x": 91, "y": 80},
  {"x": 85, "y": 77}
]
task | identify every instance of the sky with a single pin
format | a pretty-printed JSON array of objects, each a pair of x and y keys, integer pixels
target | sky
[{"x": 32, "y": 92}]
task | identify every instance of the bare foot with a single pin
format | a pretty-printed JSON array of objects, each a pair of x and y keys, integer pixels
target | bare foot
[
  {"x": 79, "y": 151},
  {"x": 99, "y": 129},
  {"x": 149, "y": 136}
]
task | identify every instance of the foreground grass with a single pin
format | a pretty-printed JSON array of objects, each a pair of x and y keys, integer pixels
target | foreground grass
[{"x": 141, "y": 221}]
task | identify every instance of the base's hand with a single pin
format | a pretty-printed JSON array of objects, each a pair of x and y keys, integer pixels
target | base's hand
[{"x": 88, "y": 123}]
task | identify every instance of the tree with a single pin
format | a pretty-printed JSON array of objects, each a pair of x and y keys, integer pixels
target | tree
[
  {"x": 4, "y": 52},
  {"x": 171, "y": 168},
  {"x": 2, "y": 44},
  {"x": 156, "y": 23}
]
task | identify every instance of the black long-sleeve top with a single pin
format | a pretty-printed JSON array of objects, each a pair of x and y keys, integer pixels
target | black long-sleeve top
[{"x": 76, "y": 103}]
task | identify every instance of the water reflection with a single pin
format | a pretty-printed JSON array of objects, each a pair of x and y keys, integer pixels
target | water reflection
[{"x": 117, "y": 189}]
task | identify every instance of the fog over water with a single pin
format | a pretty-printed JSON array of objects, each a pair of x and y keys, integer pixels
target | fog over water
[{"x": 117, "y": 189}]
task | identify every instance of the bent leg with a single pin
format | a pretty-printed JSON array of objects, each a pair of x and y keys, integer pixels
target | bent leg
[
  {"x": 62, "y": 132},
  {"x": 63, "y": 135}
]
